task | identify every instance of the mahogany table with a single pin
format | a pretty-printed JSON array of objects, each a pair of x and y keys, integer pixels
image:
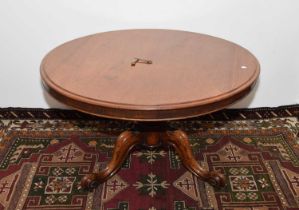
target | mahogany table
[{"x": 150, "y": 77}]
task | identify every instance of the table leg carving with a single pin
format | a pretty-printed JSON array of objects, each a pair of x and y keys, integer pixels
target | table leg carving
[
  {"x": 124, "y": 143},
  {"x": 179, "y": 140}
]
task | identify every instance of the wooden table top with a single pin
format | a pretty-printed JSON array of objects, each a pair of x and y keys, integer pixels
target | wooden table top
[{"x": 188, "y": 74}]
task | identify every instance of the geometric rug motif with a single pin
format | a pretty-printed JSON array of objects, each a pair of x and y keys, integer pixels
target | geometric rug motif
[{"x": 45, "y": 153}]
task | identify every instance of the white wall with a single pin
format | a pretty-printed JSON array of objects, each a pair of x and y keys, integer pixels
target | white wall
[{"x": 31, "y": 28}]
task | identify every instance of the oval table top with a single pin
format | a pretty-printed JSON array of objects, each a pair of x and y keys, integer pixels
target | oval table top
[{"x": 149, "y": 74}]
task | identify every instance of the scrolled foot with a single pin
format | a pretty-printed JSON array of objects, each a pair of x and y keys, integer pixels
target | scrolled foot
[
  {"x": 89, "y": 182},
  {"x": 180, "y": 141},
  {"x": 122, "y": 147},
  {"x": 216, "y": 179}
]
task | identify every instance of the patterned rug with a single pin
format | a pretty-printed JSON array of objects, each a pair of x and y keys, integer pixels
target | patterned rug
[{"x": 45, "y": 153}]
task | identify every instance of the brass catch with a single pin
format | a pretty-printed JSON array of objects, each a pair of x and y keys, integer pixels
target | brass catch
[{"x": 140, "y": 60}]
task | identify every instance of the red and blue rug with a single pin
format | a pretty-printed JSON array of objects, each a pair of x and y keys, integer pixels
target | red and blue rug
[{"x": 45, "y": 153}]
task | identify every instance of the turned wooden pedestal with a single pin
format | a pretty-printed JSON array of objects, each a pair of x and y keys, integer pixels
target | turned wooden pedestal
[
  {"x": 152, "y": 135},
  {"x": 150, "y": 77}
]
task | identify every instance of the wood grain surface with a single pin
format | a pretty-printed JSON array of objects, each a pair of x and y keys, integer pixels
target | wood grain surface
[{"x": 191, "y": 74}]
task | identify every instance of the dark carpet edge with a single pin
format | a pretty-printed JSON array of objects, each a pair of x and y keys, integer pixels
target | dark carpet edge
[{"x": 226, "y": 114}]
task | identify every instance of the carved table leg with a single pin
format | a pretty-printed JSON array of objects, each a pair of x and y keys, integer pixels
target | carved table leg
[
  {"x": 125, "y": 142},
  {"x": 180, "y": 142}
]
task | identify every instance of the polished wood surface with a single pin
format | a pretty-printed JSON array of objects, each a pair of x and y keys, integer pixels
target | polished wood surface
[
  {"x": 149, "y": 75},
  {"x": 183, "y": 75}
]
